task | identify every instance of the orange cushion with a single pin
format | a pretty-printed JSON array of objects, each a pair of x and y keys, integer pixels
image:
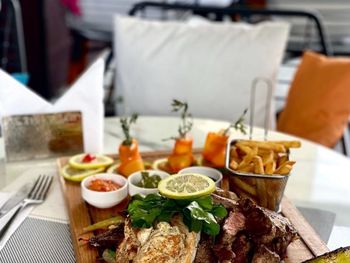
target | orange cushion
[{"x": 318, "y": 103}]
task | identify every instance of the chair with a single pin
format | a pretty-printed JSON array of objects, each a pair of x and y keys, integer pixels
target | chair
[
  {"x": 12, "y": 47},
  {"x": 219, "y": 13}
]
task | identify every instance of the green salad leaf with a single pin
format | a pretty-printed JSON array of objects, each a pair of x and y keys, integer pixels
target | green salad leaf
[{"x": 199, "y": 214}]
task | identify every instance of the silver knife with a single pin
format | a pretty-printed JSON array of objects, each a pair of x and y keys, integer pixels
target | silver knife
[{"x": 15, "y": 199}]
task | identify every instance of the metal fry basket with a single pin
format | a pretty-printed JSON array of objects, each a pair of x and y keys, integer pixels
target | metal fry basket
[{"x": 266, "y": 190}]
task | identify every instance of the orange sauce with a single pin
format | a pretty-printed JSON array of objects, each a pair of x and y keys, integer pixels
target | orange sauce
[{"x": 101, "y": 185}]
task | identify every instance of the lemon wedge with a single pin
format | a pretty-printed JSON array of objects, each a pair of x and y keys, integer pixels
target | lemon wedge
[
  {"x": 77, "y": 175},
  {"x": 99, "y": 161},
  {"x": 184, "y": 186}
]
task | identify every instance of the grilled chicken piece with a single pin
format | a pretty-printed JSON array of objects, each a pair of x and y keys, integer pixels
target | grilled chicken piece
[
  {"x": 192, "y": 239},
  {"x": 133, "y": 239},
  {"x": 168, "y": 244},
  {"x": 163, "y": 244}
]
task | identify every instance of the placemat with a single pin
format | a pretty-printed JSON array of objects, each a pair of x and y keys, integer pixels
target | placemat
[{"x": 39, "y": 241}]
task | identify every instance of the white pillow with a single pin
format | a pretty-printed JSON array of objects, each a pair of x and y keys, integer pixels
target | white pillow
[{"x": 209, "y": 65}]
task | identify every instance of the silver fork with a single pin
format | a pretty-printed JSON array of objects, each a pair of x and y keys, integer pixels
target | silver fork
[{"x": 36, "y": 196}]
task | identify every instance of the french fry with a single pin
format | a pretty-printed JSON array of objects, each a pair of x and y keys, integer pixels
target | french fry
[
  {"x": 262, "y": 157},
  {"x": 248, "y": 158},
  {"x": 258, "y": 165},
  {"x": 246, "y": 169},
  {"x": 290, "y": 144},
  {"x": 244, "y": 186},
  {"x": 233, "y": 164},
  {"x": 267, "y": 157},
  {"x": 244, "y": 149},
  {"x": 270, "y": 167},
  {"x": 262, "y": 193},
  {"x": 281, "y": 160},
  {"x": 284, "y": 169},
  {"x": 268, "y": 145},
  {"x": 233, "y": 153}
]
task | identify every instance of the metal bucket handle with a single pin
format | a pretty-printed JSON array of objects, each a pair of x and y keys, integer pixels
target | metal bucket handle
[{"x": 269, "y": 85}]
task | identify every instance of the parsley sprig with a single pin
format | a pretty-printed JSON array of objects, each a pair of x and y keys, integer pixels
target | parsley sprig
[
  {"x": 126, "y": 123},
  {"x": 186, "y": 117},
  {"x": 199, "y": 214},
  {"x": 238, "y": 125}
]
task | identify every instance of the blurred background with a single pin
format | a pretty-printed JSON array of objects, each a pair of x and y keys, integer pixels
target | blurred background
[{"x": 48, "y": 44}]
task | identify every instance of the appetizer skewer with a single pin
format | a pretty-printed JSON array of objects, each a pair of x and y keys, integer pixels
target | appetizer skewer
[
  {"x": 130, "y": 158},
  {"x": 214, "y": 151},
  {"x": 182, "y": 156}
]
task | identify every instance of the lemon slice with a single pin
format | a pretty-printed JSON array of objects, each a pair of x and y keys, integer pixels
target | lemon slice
[
  {"x": 77, "y": 175},
  {"x": 113, "y": 168},
  {"x": 161, "y": 165},
  {"x": 100, "y": 161},
  {"x": 183, "y": 186}
]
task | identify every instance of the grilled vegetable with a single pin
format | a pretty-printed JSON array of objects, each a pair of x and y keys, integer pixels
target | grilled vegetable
[
  {"x": 104, "y": 224},
  {"x": 341, "y": 255}
]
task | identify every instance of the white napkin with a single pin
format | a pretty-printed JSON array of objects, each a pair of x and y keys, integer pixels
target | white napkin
[
  {"x": 86, "y": 95},
  {"x": 16, "y": 223}
]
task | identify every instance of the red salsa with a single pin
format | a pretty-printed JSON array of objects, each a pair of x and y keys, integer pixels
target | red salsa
[{"x": 101, "y": 185}]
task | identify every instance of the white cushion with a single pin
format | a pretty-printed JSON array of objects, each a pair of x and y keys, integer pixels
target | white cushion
[{"x": 209, "y": 65}]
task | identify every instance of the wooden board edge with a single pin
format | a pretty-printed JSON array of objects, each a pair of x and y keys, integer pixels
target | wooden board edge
[{"x": 311, "y": 239}]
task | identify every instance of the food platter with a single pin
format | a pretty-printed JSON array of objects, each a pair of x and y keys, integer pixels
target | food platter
[{"x": 81, "y": 215}]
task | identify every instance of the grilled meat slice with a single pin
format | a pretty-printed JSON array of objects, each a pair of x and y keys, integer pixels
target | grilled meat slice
[
  {"x": 227, "y": 194},
  {"x": 109, "y": 239},
  {"x": 241, "y": 247},
  {"x": 267, "y": 227},
  {"x": 227, "y": 203},
  {"x": 205, "y": 252},
  {"x": 234, "y": 223},
  {"x": 264, "y": 255}
]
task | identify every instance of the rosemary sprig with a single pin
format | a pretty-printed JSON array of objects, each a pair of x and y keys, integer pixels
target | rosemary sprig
[
  {"x": 238, "y": 125},
  {"x": 186, "y": 117},
  {"x": 126, "y": 123}
]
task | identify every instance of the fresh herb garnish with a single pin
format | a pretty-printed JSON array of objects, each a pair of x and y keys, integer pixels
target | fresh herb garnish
[
  {"x": 199, "y": 214},
  {"x": 149, "y": 181},
  {"x": 238, "y": 125},
  {"x": 126, "y": 123},
  {"x": 186, "y": 117}
]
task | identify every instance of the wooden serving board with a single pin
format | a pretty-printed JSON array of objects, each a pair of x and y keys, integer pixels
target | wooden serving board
[{"x": 81, "y": 214}]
